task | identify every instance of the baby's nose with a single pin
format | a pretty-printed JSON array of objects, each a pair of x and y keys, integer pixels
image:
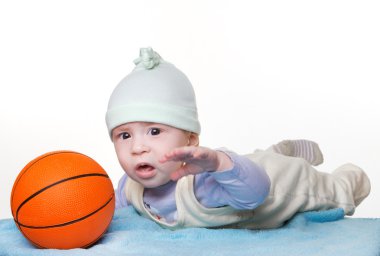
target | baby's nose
[{"x": 139, "y": 147}]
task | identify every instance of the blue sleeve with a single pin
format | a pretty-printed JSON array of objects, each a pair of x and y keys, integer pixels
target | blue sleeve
[
  {"x": 120, "y": 197},
  {"x": 245, "y": 186}
]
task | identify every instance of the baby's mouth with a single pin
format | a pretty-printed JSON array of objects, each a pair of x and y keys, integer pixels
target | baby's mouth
[{"x": 145, "y": 171}]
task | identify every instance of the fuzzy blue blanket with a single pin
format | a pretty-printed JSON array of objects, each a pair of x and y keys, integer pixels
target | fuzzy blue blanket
[{"x": 311, "y": 233}]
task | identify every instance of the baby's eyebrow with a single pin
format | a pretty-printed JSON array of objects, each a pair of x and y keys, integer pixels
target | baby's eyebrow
[
  {"x": 122, "y": 129},
  {"x": 153, "y": 124}
]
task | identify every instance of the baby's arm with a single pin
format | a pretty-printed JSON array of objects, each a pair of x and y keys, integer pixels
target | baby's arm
[
  {"x": 120, "y": 197},
  {"x": 243, "y": 186}
]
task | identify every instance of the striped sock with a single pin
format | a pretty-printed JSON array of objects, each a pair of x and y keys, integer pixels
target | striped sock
[{"x": 306, "y": 149}]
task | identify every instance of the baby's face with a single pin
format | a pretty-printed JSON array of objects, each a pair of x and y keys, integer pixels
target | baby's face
[{"x": 140, "y": 145}]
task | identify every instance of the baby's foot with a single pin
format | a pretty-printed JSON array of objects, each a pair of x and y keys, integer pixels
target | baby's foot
[
  {"x": 309, "y": 150},
  {"x": 356, "y": 180}
]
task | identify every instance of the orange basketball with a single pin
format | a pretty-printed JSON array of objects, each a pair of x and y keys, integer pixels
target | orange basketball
[{"x": 63, "y": 200}]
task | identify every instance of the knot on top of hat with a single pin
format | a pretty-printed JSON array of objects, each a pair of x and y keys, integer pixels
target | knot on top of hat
[{"x": 148, "y": 58}]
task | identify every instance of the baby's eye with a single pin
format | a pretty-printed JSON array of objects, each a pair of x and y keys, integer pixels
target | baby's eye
[
  {"x": 154, "y": 131},
  {"x": 124, "y": 135}
]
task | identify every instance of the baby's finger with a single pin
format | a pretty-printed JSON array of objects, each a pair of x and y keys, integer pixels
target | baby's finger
[{"x": 178, "y": 154}]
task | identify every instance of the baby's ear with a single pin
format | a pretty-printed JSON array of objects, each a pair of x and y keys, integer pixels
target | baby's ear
[{"x": 193, "y": 139}]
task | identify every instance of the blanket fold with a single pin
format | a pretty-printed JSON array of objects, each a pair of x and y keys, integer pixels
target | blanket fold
[{"x": 310, "y": 233}]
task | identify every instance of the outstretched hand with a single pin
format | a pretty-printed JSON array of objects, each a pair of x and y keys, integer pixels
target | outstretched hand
[{"x": 197, "y": 160}]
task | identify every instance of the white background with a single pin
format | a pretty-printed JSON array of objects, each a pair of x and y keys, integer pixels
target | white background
[{"x": 262, "y": 71}]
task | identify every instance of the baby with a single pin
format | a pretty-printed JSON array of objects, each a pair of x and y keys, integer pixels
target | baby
[{"x": 153, "y": 123}]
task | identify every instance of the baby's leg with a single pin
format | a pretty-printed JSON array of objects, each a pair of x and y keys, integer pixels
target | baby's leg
[
  {"x": 345, "y": 188},
  {"x": 354, "y": 180},
  {"x": 305, "y": 149},
  {"x": 297, "y": 187}
]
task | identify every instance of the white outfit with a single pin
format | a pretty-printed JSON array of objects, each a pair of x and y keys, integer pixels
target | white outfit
[{"x": 295, "y": 187}]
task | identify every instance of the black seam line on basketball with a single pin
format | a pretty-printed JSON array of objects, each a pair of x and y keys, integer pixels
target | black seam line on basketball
[
  {"x": 48, "y": 155},
  {"x": 96, "y": 239},
  {"x": 39, "y": 159},
  {"x": 54, "y": 184},
  {"x": 70, "y": 222}
]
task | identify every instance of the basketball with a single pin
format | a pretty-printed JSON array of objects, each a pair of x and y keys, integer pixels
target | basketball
[{"x": 62, "y": 200}]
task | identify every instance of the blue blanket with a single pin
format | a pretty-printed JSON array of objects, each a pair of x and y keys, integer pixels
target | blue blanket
[{"x": 311, "y": 233}]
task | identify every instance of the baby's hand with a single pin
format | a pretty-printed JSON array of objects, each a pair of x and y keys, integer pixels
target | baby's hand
[{"x": 197, "y": 160}]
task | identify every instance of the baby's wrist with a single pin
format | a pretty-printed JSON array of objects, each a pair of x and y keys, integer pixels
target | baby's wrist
[{"x": 224, "y": 162}]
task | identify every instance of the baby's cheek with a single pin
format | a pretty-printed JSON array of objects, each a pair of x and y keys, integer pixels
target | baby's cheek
[{"x": 126, "y": 167}]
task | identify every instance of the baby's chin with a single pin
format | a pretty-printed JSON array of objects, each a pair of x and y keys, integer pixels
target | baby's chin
[{"x": 155, "y": 183}]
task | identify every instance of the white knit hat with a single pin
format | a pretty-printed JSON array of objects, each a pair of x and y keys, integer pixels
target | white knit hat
[{"x": 155, "y": 91}]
